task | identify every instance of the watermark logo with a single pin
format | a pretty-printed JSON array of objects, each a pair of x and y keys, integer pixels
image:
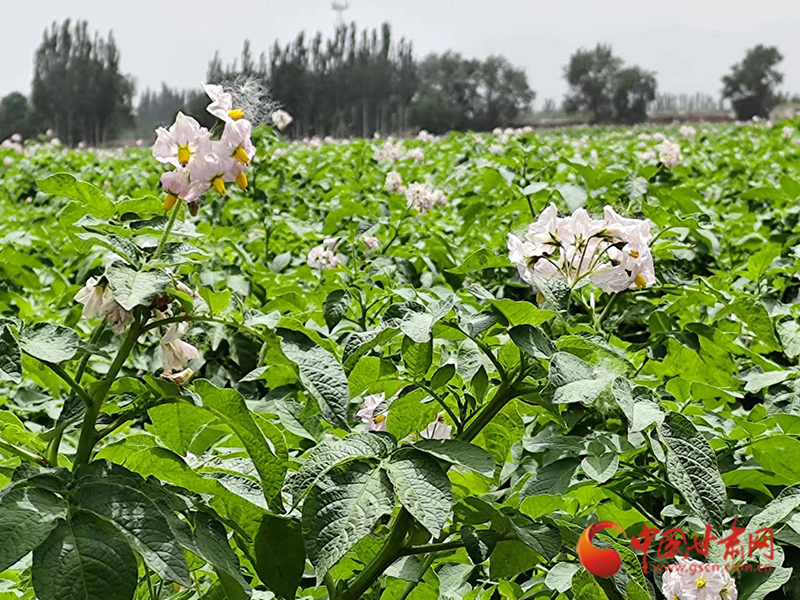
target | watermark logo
[
  {"x": 676, "y": 543},
  {"x": 603, "y": 562}
]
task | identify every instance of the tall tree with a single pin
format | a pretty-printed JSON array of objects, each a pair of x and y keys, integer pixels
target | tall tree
[
  {"x": 601, "y": 87},
  {"x": 752, "y": 84},
  {"x": 78, "y": 89},
  {"x": 16, "y": 117}
]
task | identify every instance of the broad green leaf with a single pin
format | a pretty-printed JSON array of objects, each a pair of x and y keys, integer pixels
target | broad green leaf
[
  {"x": 692, "y": 468},
  {"x": 555, "y": 291},
  {"x": 228, "y": 406},
  {"x": 574, "y": 195},
  {"x": 280, "y": 556},
  {"x": 10, "y": 357},
  {"x": 88, "y": 196},
  {"x": 218, "y": 302},
  {"x": 27, "y": 516},
  {"x": 49, "y": 342},
  {"x": 532, "y": 341},
  {"x": 341, "y": 509},
  {"x": 552, "y": 479},
  {"x": 523, "y": 313},
  {"x": 789, "y": 334},
  {"x": 84, "y": 558},
  {"x": 482, "y": 258},
  {"x": 134, "y": 288},
  {"x": 779, "y": 454},
  {"x": 213, "y": 546},
  {"x": 141, "y": 523},
  {"x": 574, "y": 380},
  {"x": 756, "y": 586},
  {"x": 479, "y": 543},
  {"x": 417, "y": 357},
  {"x": 755, "y": 315},
  {"x": 559, "y": 578},
  {"x": 185, "y": 428},
  {"x": 460, "y": 453},
  {"x": 330, "y": 454},
  {"x": 321, "y": 375},
  {"x": 422, "y": 487},
  {"x": 335, "y": 307}
]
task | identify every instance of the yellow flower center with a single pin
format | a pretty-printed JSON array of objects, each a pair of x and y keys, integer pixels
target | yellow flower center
[
  {"x": 240, "y": 155},
  {"x": 640, "y": 281},
  {"x": 241, "y": 181},
  {"x": 170, "y": 201},
  {"x": 379, "y": 419},
  {"x": 184, "y": 154},
  {"x": 701, "y": 583},
  {"x": 236, "y": 114},
  {"x": 634, "y": 253},
  {"x": 218, "y": 184}
]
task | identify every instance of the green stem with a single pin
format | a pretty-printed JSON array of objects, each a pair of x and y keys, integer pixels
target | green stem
[
  {"x": 387, "y": 555},
  {"x": 76, "y": 387},
  {"x": 330, "y": 585},
  {"x": 88, "y": 437},
  {"x": 167, "y": 231},
  {"x": 21, "y": 453},
  {"x": 426, "y": 564}
]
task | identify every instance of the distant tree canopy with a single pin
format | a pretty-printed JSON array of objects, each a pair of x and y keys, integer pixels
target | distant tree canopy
[
  {"x": 78, "y": 89},
  {"x": 362, "y": 83},
  {"x": 458, "y": 93},
  {"x": 752, "y": 84},
  {"x": 600, "y": 86},
  {"x": 16, "y": 116},
  {"x": 159, "y": 108}
]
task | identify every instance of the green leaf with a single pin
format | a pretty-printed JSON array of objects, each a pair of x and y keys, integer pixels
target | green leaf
[
  {"x": 141, "y": 523},
  {"x": 779, "y": 454},
  {"x": 212, "y": 544},
  {"x": 555, "y": 291},
  {"x": 218, "y": 302},
  {"x": 330, "y": 454},
  {"x": 756, "y": 586},
  {"x": 84, "y": 558},
  {"x": 67, "y": 186},
  {"x": 417, "y": 326},
  {"x": 755, "y": 315},
  {"x": 185, "y": 428},
  {"x": 422, "y": 487},
  {"x": 335, "y": 307},
  {"x": 552, "y": 479},
  {"x": 523, "y": 313},
  {"x": 574, "y": 380},
  {"x": 132, "y": 288},
  {"x": 417, "y": 357},
  {"x": 789, "y": 334},
  {"x": 559, "y": 578},
  {"x": 459, "y": 453},
  {"x": 321, "y": 375},
  {"x": 574, "y": 195},
  {"x": 636, "y": 187},
  {"x": 10, "y": 357},
  {"x": 228, "y": 405},
  {"x": 544, "y": 540},
  {"x": 27, "y": 516},
  {"x": 442, "y": 376},
  {"x": 479, "y": 260},
  {"x": 49, "y": 342},
  {"x": 341, "y": 509},
  {"x": 532, "y": 341},
  {"x": 692, "y": 468},
  {"x": 280, "y": 556},
  {"x": 479, "y": 543}
]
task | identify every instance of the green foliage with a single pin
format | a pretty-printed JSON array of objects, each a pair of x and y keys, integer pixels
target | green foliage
[{"x": 416, "y": 422}]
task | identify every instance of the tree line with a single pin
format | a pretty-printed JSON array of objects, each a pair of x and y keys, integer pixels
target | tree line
[{"x": 355, "y": 83}]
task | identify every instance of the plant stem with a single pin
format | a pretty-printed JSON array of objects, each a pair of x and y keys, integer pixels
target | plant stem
[
  {"x": 76, "y": 387},
  {"x": 88, "y": 437},
  {"x": 167, "y": 231}
]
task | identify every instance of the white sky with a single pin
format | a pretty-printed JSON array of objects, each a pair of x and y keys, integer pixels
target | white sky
[{"x": 689, "y": 43}]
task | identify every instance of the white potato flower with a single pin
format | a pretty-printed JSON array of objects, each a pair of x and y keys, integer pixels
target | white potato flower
[
  {"x": 374, "y": 422},
  {"x": 222, "y": 104},
  {"x": 321, "y": 257},
  {"x": 394, "y": 182},
  {"x": 669, "y": 153},
  {"x": 176, "y": 353},
  {"x": 438, "y": 430},
  {"x": 694, "y": 580},
  {"x": 184, "y": 140},
  {"x": 281, "y": 119}
]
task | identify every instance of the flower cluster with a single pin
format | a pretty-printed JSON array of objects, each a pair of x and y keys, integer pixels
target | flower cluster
[
  {"x": 389, "y": 151},
  {"x": 98, "y": 302},
  {"x": 669, "y": 153},
  {"x": 613, "y": 253},
  {"x": 324, "y": 256},
  {"x": 200, "y": 162},
  {"x": 394, "y": 183},
  {"x": 693, "y": 580},
  {"x": 687, "y": 132},
  {"x": 423, "y": 196},
  {"x": 281, "y": 119}
]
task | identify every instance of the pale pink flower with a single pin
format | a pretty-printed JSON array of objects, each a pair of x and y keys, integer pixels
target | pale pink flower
[{"x": 374, "y": 422}]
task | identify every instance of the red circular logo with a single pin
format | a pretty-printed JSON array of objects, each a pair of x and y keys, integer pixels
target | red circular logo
[{"x": 603, "y": 562}]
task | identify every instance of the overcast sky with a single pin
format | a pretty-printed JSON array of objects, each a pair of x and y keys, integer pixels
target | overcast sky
[{"x": 689, "y": 43}]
